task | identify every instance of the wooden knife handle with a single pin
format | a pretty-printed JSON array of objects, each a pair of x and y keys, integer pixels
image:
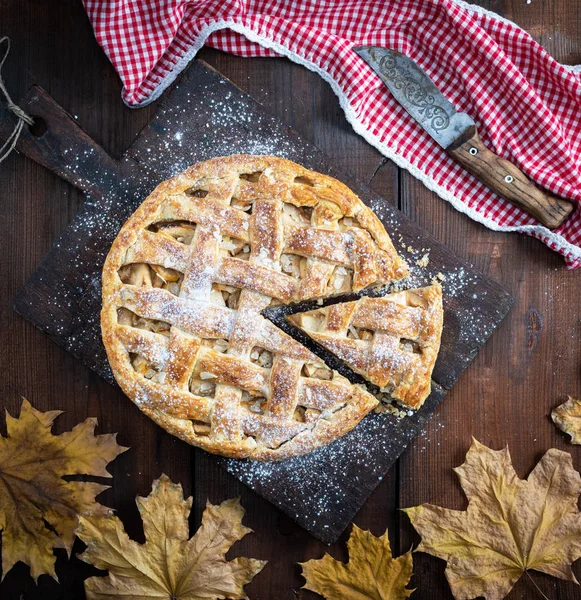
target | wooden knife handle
[{"x": 510, "y": 183}]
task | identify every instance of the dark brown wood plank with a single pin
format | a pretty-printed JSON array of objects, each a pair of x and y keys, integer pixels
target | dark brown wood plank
[
  {"x": 53, "y": 46},
  {"x": 529, "y": 365}
]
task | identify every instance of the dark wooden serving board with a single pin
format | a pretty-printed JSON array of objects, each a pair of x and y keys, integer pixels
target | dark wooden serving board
[{"x": 202, "y": 117}]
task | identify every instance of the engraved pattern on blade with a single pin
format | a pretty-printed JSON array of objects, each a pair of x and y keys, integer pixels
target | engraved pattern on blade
[
  {"x": 414, "y": 93},
  {"x": 414, "y": 90}
]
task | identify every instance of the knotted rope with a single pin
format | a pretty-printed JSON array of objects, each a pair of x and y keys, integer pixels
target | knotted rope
[{"x": 22, "y": 117}]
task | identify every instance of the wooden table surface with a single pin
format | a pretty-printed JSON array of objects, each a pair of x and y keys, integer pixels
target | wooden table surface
[{"x": 527, "y": 367}]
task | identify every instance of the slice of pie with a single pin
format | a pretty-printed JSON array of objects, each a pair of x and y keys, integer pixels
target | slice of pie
[
  {"x": 184, "y": 286},
  {"x": 392, "y": 341}
]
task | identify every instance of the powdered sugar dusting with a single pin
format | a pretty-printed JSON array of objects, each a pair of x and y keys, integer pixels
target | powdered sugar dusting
[{"x": 323, "y": 490}]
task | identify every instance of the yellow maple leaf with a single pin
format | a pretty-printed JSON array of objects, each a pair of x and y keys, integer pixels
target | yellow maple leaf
[
  {"x": 511, "y": 525},
  {"x": 567, "y": 417},
  {"x": 371, "y": 572},
  {"x": 32, "y": 491},
  {"x": 168, "y": 565}
]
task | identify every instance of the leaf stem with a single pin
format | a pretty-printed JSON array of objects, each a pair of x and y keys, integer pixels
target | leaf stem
[{"x": 538, "y": 588}]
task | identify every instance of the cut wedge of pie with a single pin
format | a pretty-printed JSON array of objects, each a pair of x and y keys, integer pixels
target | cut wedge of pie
[
  {"x": 184, "y": 286},
  {"x": 392, "y": 341}
]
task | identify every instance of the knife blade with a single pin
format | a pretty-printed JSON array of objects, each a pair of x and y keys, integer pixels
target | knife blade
[{"x": 456, "y": 133}]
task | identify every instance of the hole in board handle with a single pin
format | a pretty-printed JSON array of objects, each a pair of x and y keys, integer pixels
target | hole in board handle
[{"x": 39, "y": 127}]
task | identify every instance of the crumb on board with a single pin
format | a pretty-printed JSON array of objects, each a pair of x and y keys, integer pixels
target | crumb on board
[
  {"x": 390, "y": 406},
  {"x": 424, "y": 261}
]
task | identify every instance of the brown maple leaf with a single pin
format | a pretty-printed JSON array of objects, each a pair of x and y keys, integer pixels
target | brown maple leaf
[
  {"x": 371, "y": 572},
  {"x": 510, "y": 526},
  {"x": 567, "y": 417},
  {"x": 168, "y": 565},
  {"x": 32, "y": 491}
]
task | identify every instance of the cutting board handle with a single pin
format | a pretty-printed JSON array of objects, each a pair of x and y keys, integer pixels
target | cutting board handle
[{"x": 59, "y": 144}]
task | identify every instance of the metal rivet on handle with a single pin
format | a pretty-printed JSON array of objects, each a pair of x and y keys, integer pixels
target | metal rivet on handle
[
  {"x": 509, "y": 179},
  {"x": 473, "y": 151}
]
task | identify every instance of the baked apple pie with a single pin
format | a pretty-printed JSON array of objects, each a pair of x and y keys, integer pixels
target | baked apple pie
[{"x": 186, "y": 281}]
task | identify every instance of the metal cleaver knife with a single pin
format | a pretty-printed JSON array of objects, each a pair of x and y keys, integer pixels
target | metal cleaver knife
[{"x": 456, "y": 133}]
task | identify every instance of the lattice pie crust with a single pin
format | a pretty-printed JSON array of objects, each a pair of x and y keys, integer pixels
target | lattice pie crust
[
  {"x": 184, "y": 286},
  {"x": 392, "y": 341}
]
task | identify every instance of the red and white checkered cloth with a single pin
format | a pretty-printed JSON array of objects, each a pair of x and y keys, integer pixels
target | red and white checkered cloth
[{"x": 526, "y": 105}]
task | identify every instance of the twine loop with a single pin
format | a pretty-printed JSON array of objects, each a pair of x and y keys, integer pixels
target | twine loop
[{"x": 23, "y": 117}]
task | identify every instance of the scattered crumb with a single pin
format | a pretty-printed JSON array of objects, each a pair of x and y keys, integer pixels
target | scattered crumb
[
  {"x": 424, "y": 261},
  {"x": 390, "y": 406}
]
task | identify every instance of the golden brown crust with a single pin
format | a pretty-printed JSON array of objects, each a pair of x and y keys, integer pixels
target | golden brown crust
[
  {"x": 186, "y": 280},
  {"x": 392, "y": 341}
]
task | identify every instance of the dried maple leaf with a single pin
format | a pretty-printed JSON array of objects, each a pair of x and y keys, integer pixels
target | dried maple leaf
[
  {"x": 567, "y": 417},
  {"x": 168, "y": 565},
  {"x": 32, "y": 491},
  {"x": 511, "y": 525},
  {"x": 371, "y": 572}
]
